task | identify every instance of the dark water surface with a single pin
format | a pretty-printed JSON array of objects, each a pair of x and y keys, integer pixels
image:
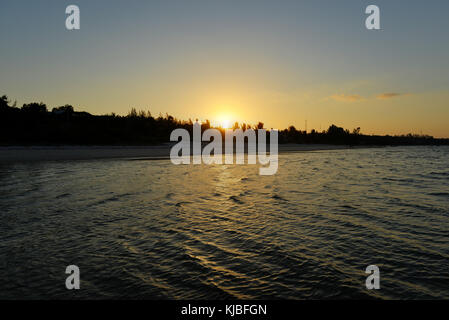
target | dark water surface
[{"x": 150, "y": 229}]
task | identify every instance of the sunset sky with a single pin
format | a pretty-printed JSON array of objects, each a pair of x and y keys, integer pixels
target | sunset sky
[{"x": 279, "y": 62}]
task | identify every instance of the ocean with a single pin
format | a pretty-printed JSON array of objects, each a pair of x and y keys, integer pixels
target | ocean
[{"x": 148, "y": 229}]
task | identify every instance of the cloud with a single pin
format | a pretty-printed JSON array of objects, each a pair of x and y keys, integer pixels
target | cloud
[
  {"x": 355, "y": 97},
  {"x": 347, "y": 98},
  {"x": 389, "y": 95}
]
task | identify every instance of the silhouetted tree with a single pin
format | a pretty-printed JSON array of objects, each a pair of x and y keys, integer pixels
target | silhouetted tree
[
  {"x": 35, "y": 108},
  {"x": 4, "y": 102},
  {"x": 205, "y": 125},
  {"x": 67, "y": 109},
  {"x": 33, "y": 124}
]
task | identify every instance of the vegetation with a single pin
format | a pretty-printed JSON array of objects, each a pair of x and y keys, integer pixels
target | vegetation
[{"x": 34, "y": 124}]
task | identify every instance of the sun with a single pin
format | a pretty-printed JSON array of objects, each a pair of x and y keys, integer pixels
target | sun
[
  {"x": 225, "y": 123},
  {"x": 224, "y": 120}
]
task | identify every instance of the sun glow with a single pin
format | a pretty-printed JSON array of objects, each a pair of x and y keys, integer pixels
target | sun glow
[
  {"x": 225, "y": 123},
  {"x": 225, "y": 119}
]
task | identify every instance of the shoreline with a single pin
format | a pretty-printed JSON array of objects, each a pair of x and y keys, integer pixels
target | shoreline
[{"x": 17, "y": 154}]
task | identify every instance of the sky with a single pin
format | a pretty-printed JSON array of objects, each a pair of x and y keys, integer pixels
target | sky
[{"x": 279, "y": 62}]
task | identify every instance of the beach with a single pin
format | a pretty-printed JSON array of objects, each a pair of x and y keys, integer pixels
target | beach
[{"x": 65, "y": 153}]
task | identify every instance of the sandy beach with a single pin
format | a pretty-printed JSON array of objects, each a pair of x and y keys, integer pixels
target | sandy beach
[{"x": 65, "y": 153}]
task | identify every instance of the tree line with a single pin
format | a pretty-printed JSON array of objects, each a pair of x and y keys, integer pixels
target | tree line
[{"x": 35, "y": 124}]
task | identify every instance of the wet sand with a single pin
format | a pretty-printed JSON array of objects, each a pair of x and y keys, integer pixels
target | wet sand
[{"x": 61, "y": 153}]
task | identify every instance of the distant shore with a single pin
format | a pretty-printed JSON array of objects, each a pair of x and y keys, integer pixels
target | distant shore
[{"x": 14, "y": 154}]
